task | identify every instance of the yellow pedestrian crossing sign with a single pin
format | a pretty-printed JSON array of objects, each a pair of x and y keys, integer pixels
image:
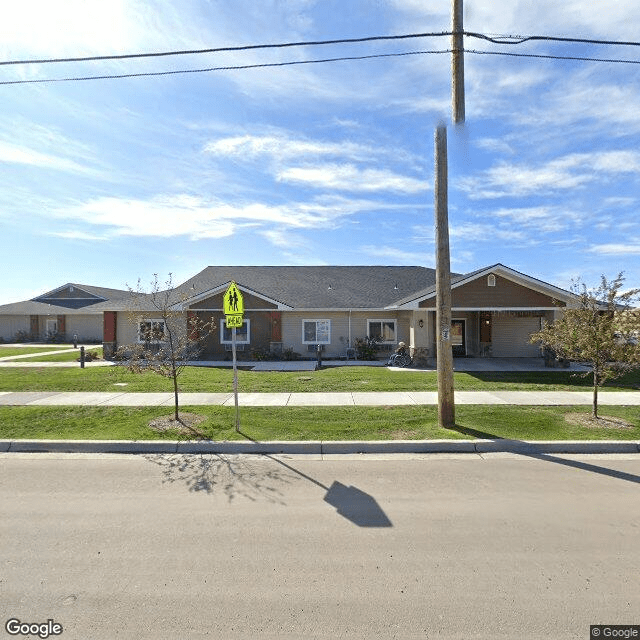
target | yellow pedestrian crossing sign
[{"x": 233, "y": 302}]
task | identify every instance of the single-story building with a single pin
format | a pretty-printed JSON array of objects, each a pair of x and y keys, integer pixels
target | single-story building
[{"x": 297, "y": 308}]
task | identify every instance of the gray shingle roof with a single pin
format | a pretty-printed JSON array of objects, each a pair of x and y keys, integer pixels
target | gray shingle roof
[{"x": 319, "y": 287}]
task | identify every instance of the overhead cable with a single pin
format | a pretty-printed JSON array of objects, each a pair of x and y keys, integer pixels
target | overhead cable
[
  {"x": 503, "y": 40},
  {"x": 316, "y": 61}
]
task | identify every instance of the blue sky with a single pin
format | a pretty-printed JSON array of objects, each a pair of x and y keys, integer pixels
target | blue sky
[{"x": 103, "y": 182}]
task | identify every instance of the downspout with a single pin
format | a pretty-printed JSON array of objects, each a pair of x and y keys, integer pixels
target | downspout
[{"x": 349, "y": 344}]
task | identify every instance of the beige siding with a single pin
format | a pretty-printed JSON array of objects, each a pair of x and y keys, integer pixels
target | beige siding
[
  {"x": 345, "y": 327},
  {"x": 511, "y": 337},
  {"x": 10, "y": 325},
  {"x": 127, "y": 327},
  {"x": 86, "y": 327}
]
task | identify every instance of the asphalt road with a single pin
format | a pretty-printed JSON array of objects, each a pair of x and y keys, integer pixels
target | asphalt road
[{"x": 501, "y": 546}]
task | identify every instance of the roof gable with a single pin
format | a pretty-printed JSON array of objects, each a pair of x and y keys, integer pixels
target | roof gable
[
  {"x": 515, "y": 290},
  {"x": 69, "y": 296},
  {"x": 213, "y": 300}
]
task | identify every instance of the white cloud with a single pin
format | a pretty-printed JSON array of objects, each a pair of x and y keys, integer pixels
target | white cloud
[
  {"x": 77, "y": 235},
  {"x": 283, "y": 147},
  {"x": 78, "y": 27},
  {"x": 486, "y": 232},
  {"x": 617, "y": 249},
  {"x": 15, "y": 154},
  {"x": 198, "y": 218},
  {"x": 497, "y": 145},
  {"x": 588, "y": 99},
  {"x": 347, "y": 177},
  {"x": 398, "y": 256},
  {"x": 544, "y": 219},
  {"x": 568, "y": 172}
]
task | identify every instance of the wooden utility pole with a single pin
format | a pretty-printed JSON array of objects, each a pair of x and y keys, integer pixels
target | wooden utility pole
[
  {"x": 446, "y": 407},
  {"x": 457, "y": 62}
]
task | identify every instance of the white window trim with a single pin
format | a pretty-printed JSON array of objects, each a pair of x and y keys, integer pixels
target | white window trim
[
  {"x": 316, "y": 320},
  {"x": 382, "y": 320},
  {"x": 491, "y": 280},
  {"x": 223, "y": 326},
  {"x": 153, "y": 321}
]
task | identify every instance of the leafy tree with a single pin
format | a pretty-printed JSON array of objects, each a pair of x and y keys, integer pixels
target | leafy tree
[
  {"x": 166, "y": 339},
  {"x": 601, "y": 330}
]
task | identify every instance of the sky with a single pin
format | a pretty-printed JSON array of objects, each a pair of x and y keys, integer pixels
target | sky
[{"x": 104, "y": 182}]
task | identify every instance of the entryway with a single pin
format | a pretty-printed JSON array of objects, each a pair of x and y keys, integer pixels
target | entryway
[{"x": 458, "y": 339}]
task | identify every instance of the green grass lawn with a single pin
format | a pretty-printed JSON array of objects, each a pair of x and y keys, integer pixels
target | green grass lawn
[
  {"x": 304, "y": 423},
  {"x": 6, "y": 352},
  {"x": 307, "y": 423},
  {"x": 211, "y": 380},
  {"x": 63, "y": 356}
]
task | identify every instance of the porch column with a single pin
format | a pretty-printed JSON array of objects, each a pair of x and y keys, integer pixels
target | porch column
[
  {"x": 109, "y": 337},
  {"x": 275, "y": 320},
  {"x": 62, "y": 327}
]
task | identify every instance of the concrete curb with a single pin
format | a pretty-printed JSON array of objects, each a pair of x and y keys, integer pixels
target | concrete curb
[
  {"x": 398, "y": 446},
  {"x": 316, "y": 447}
]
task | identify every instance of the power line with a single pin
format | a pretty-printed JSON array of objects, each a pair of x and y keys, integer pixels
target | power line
[
  {"x": 522, "y": 39},
  {"x": 502, "y": 39},
  {"x": 551, "y": 57},
  {"x": 317, "y": 61},
  {"x": 228, "y": 68},
  {"x": 250, "y": 47}
]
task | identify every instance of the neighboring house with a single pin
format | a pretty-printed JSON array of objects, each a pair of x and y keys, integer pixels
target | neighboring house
[
  {"x": 494, "y": 310},
  {"x": 72, "y": 309}
]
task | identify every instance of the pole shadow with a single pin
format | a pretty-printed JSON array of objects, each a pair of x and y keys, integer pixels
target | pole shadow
[
  {"x": 576, "y": 464},
  {"x": 351, "y": 503}
]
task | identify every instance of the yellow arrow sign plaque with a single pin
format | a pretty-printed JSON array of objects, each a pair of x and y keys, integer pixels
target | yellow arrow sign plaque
[{"x": 234, "y": 322}]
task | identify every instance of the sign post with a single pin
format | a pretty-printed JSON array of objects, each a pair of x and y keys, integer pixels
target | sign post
[{"x": 234, "y": 312}]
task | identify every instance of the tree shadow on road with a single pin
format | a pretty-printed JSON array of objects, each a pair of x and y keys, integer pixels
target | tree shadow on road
[
  {"x": 263, "y": 477},
  {"x": 233, "y": 475}
]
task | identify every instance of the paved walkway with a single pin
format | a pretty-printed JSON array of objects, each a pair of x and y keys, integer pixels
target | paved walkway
[
  {"x": 471, "y": 365},
  {"x": 331, "y": 399}
]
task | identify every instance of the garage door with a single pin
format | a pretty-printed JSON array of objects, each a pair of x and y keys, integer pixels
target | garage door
[{"x": 511, "y": 337}]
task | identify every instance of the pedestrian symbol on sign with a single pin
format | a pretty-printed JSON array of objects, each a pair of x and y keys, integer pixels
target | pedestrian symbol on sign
[{"x": 233, "y": 301}]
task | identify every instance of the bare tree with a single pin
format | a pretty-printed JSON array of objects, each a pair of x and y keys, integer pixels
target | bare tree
[
  {"x": 602, "y": 331},
  {"x": 167, "y": 340}
]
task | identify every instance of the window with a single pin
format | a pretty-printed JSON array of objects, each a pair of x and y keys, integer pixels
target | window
[
  {"x": 491, "y": 280},
  {"x": 383, "y": 330},
  {"x": 243, "y": 333},
  {"x": 151, "y": 331},
  {"x": 316, "y": 331}
]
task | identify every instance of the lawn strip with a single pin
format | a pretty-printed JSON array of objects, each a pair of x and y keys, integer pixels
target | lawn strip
[
  {"x": 63, "y": 356},
  {"x": 9, "y": 352},
  {"x": 313, "y": 423},
  {"x": 219, "y": 380}
]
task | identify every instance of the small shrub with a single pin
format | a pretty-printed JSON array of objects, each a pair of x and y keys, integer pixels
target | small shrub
[
  {"x": 289, "y": 354},
  {"x": 261, "y": 354},
  {"x": 367, "y": 348},
  {"x": 89, "y": 356}
]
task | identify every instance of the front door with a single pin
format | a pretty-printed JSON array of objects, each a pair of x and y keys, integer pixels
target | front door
[{"x": 458, "y": 338}]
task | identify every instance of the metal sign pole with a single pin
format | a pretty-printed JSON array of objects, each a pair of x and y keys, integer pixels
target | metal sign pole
[{"x": 235, "y": 378}]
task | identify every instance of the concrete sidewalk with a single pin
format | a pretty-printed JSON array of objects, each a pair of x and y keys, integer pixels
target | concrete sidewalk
[{"x": 329, "y": 399}]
